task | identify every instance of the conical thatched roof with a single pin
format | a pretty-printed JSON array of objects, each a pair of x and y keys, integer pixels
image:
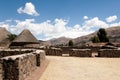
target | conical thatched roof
[{"x": 26, "y": 37}]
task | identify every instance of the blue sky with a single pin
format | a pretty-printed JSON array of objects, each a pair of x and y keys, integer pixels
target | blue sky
[{"x": 56, "y": 18}]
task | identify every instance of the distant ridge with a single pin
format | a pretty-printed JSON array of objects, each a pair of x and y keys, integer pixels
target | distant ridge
[
  {"x": 56, "y": 41},
  {"x": 3, "y": 34},
  {"x": 4, "y": 42},
  {"x": 113, "y": 34}
]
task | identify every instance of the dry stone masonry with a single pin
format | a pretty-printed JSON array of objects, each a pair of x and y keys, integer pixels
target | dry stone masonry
[
  {"x": 83, "y": 52},
  {"x": 80, "y": 52},
  {"x": 11, "y": 52},
  {"x": 109, "y": 53},
  {"x": 54, "y": 52},
  {"x": 71, "y": 52},
  {"x": 19, "y": 67}
]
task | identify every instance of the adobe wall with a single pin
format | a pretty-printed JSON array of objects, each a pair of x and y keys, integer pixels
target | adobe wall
[
  {"x": 19, "y": 67},
  {"x": 109, "y": 53}
]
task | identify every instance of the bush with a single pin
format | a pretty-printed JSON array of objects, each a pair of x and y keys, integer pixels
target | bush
[
  {"x": 70, "y": 43},
  {"x": 95, "y": 39},
  {"x": 102, "y": 35}
]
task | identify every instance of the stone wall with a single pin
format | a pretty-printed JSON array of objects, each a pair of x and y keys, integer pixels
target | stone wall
[
  {"x": 80, "y": 52},
  {"x": 19, "y": 67},
  {"x": 71, "y": 52},
  {"x": 40, "y": 56},
  {"x": 1, "y": 71},
  {"x": 54, "y": 52},
  {"x": 109, "y": 53},
  {"x": 94, "y": 49},
  {"x": 11, "y": 52}
]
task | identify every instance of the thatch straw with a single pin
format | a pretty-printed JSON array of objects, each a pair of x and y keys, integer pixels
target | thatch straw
[{"x": 26, "y": 36}]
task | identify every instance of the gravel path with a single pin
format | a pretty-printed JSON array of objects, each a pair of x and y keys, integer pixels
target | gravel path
[{"x": 74, "y": 68}]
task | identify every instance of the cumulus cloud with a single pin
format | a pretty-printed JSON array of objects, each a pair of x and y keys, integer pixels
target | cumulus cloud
[
  {"x": 94, "y": 23},
  {"x": 5, "y": 25},
  {"x": 111, "y": 18},
  {"x": 57, "y": 28},
  {"x": 47, "y": 29},
  {"x": 85, "y": 17},
  {"x": 28, "y": 9}
]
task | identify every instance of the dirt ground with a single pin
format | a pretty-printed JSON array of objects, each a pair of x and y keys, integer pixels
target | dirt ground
[
  {"x": 39, "y": 71},
  {"x": 76, "y": 68}
]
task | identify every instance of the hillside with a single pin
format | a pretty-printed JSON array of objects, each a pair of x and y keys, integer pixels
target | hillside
[
  {"x": 113, "y": 33},
  {"x": 3, "y": 37},
  {"x": 55, "y": 41}
]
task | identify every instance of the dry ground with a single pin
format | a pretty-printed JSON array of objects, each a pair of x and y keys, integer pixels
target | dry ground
[{"x": 75, "y": 68}]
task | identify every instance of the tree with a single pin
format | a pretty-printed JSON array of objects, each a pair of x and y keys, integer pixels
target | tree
[
  {"x": 102, "y": 35},
  {"x": 11, "y": 37},
  {"x": 95, "y": 39},
  {"x": 70, "y": 43}
]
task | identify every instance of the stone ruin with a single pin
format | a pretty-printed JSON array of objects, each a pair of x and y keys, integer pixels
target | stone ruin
[
  {"x": 84, "y": 52},
  {"x": 109, "y": 53},
  {"x": 19, "y": 64},
  {"x": 80, "y": 52},
  {"x": 70, "y": 51}
]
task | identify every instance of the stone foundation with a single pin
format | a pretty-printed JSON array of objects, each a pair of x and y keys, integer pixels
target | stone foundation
[{"x": 109, "y": 53}]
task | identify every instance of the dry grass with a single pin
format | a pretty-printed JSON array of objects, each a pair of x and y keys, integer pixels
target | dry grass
[{"x": 74, "y": 68}]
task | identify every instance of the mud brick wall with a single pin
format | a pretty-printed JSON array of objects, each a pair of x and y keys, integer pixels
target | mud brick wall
[
  {"x": 109, "y": 53},
  {"x": 54, "y": 52},
  {"x": 80, "y": 52}
]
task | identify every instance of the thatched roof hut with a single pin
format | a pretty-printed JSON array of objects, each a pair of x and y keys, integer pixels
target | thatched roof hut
[{"x": 25, "y": 40}]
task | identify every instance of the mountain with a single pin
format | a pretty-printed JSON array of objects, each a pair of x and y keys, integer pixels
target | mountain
[
  {"x": 3, "y": 37},
  {"x": 57, "y": 41},
  {"x": 113, "y": 34}
]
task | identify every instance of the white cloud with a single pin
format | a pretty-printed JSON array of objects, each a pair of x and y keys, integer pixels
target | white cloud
[
  {"x": 111, "y": 18},
  {"x": 28, "y": 9},
  {"x": 57, "y": 28},
  {"x": 85, "y": 17},
  {"x": 49, "y": 30},
  {"x": 5, "y": 25},
  {"x": 94, "y": 23}
]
